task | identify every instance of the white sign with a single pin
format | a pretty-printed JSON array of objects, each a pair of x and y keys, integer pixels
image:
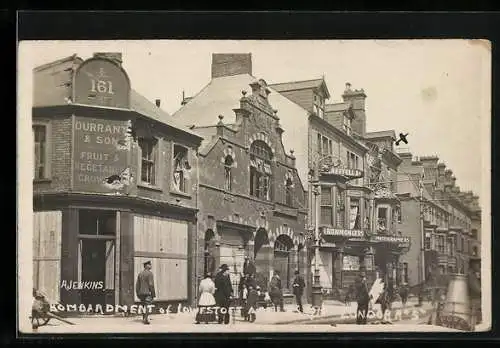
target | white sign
[
  {"x": 351, "y": 173},
  {"x": 392, "y": 239},
  {"x": 342, "y": 232}
]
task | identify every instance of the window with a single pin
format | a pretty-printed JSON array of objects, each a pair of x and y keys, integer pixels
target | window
[
  {"x": 319, "y": 144},
  {"x": 474, "y": 251},
  {"x": 40, "y": 159},
  {"x": 326, "y": 206},
  {"x": 474, "y": 234},
  {"x": 347, "y": 125},
  {"x": 427, "y": 241},
  {"x": 325, "y": 146},
  {"x": 260, "y": 170},
  {"x": 289, "y": 192},
  {"x": 341, "y": 197},
  {"x": 352, "y": 161},
  {"x": 405, "y": 272},
  {"x": 441, "y": 244},
  {"x": 451, "y": 250},
  {"x": 354, "y": 215},
  {"x": 397, "y": 214},
  {"x": 462, "y": 246},
  {"x": 149, "y": 150},
  {"x": 228, "y": 179},
  {"x": 181, "y": 168},
  {"x": 382, "y": 219}
]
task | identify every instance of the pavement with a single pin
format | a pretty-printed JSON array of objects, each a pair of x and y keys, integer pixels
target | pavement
[{"x": 333, "y": 312}]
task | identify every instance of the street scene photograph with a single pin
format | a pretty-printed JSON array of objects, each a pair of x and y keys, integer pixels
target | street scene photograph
[{"x": 254, "y": 186}]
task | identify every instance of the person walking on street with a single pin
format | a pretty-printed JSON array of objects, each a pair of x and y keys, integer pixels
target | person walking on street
[
  {"x": 276, "y": 292},
  {"x": 474, "y": 284},
  {"x": 298, "y": 289},
  {"x": 145, "y": 289},
  {"x": 362, "y": 298},
  {"x": 248, "y": 267},
  {"x": 251, "y": 304},
  {"x": 223, "y": 294},
  {"x": 206, "y": 303},
  {"x": 403, "y": 293}
]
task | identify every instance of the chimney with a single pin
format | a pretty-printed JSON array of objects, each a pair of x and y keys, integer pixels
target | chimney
[
  {"x": 407, "y": 159},
  {"x": 357, "y": 100},
  {"x": 158, "y": 102},
  {"x": 113, "y": 56},
  {"x": 229, "y": 64}
]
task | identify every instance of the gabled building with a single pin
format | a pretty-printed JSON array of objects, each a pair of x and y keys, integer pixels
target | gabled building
[
  {"x": 251, "y": 199},
  {"x": 352, "y": 185},
  {"x": 114, "y": 185}
]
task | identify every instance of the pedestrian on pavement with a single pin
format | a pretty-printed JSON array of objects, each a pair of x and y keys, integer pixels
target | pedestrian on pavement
[
  {"x": 248, "y": 266},
  {"x": 362, "y": 298},
  {"x": 387, "y": 296},
  {"x": 251, "y": 304},
  {"x": 145, "y": 289},
  {"x": 298, "y": 289},
  {"x": 223, "y": 293},
  {"x": 474, "y": 284},
  {"x": 206, "y": 303},
  {"x": 403, "y": 293},
  {"x": 276, "y": 292}
]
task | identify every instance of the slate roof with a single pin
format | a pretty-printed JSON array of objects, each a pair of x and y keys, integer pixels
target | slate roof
[
  {"x": 143, "y": 106},
  {"x": 297, "y": 85}
]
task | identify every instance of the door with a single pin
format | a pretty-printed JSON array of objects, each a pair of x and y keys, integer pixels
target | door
[{"x": 93, "y": 271}]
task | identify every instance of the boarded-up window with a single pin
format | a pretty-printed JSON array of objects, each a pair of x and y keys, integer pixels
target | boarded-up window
[
  {"x": 47, "y": 252},
  {"x": 165, "y": 243}
]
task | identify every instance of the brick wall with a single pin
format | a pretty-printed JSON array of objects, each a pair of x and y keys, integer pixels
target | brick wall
[{"x": 410, "y": 226}]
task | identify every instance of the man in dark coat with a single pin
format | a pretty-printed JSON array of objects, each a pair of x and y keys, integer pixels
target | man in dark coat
[
  {"x": 298, "y": 289},
  {"x": 248, "y": 266},
  {"x": 362, "y": 297},
  {"x": 474, "y": 284},
  {"x": 223, "y": 293},
  {"x": 145, "y": 289},
  {"x": 276, "y": 292}
]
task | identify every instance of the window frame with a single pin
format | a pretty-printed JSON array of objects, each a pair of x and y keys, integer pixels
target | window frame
[
  {"x": 260, "y": 179},
  {"x": 185, "y": 181},
  {"x": 323, "y": 206},
  {"x": 157, "y": 175},
  {"x": 228, "y": 174},
  {"x": 47, "y": 151}
]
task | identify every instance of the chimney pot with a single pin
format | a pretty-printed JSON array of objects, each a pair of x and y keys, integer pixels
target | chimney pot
[
  {"x": 347, "y": 86},
  {"x": 158, "y": 102}
]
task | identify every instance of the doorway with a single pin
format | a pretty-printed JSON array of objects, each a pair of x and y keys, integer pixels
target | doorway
[
  {"x": 96, "y": 257},
  {"x": 93, "y": 253}
]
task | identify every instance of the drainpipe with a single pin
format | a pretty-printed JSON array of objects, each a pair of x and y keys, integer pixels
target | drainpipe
[{"x": 196, "y": 284}]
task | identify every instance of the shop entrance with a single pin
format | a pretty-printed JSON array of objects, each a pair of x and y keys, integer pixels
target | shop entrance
[{"x": 96, "y": 257}]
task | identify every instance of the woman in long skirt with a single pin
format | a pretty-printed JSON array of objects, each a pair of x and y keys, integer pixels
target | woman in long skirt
[{"x": 206, "y": 304}]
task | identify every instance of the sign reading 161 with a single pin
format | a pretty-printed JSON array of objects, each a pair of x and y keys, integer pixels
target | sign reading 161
[{"x": 101, "y": 86}]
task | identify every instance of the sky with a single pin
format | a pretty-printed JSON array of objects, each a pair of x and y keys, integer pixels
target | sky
[{"x": 438, "y": 91}]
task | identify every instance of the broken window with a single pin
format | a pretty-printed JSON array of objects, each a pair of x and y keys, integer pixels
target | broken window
[{"x": 181, "y": 168}]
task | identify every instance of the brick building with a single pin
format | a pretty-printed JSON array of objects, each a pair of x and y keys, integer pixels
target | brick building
[
  {"x": 354, "y": 192},
  {"x": 442, "y": 220},
  {"x": 251, "y": 201},
  {"x": 106, "y": 201}
]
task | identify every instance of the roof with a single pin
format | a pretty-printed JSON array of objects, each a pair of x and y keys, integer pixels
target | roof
[
  {"x": 296, "y": 85},
  {"x": 337, "y": 107},
  {"x": 57, "y": 62},
  {"x": 381, "y": 134},
  {"x": 143, "y": 106}
]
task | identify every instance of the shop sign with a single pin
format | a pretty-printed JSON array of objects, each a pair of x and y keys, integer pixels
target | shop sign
[
  {"x": 100, "y": 157},
  {"x": 101, "y": 82},
  {"x": 343, "y": 232},
  {"x": 347, "y": 172},
  {"x": 392, "y": 239}
]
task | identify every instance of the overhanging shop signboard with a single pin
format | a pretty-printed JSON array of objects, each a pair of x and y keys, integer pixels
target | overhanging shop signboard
[
  {"x": 402, "y": 241},
  {"x": 100, "y": 156},
  {"x": 343, "y": 233}
]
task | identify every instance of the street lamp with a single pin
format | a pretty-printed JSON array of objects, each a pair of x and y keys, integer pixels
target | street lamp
[{"x": 317, "y": 293}]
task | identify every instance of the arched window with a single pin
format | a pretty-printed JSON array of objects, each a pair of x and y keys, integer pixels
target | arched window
[
  {"x": 260, "y": 170},
  {"x": 228, "y": 178}
]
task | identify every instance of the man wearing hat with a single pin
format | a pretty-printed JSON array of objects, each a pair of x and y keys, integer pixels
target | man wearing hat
[
  {"x": 145, "y": 289},
  {"x": 298, "y": 289},
  {"x": 223, "y": 293},
  {"x": 474, "y": 280},
  {"x": 248, "y": 266}
]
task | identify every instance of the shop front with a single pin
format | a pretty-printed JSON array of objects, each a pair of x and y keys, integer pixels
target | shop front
[{"x": 388, "y": 250}]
